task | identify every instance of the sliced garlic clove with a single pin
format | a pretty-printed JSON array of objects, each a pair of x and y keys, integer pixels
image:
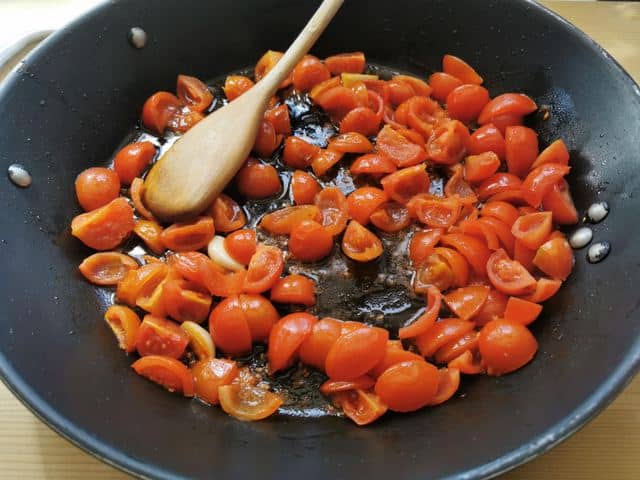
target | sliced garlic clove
[{"x": 218, "y": 253}]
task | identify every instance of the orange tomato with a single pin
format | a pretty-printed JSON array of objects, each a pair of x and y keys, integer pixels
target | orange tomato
[
  {"x": 442, "y": 84},
  {"x": 545, "y": 289},
  {"x": 298, "y": 153},
  {"x": 498, "y": 183},
  {"x": 260, "y": 314},
  {"x": 132, "y": 160},
  {"x": 334, "y": 386},
  {"x": 556, "y": 152},
  {"x": 159, "y": 336},
  {"x": 279, "y": 118},
  {"x": 420, "y": 87},
  {"x": 158, "y": 111},
  {"x": 521, "y": 311},
  {"x": 465, "y": 102},
  {"x": 282, "y": 221},
  {"x": 404, "y": 184},
  {"x": 236, "y": 85},
  {"x": 460, "y": 69},
  {"x": 248, "y": 403},
  {"x": 309, "y": 72},
  {"x": 141, "y": 282},
  {"x": 426, "y": 321},
  {"x": 264, "y": 269},
  {"x": 167, "y": 372},
  {"x": 394, "y": 354},
  {"x": 448, "y": 384},
  {"x": 501, "y": 230},
  {"x": 478, "y": 168},
  {"x": 346, "y": 62},
  {"x": 360, "y": 244},
  {"x": 106, "y": 227},
  {"x": 200, "y": 270},
  {"x": 334, "y": 210},
  {"x": 434, "y": 271},
  {"x": 310, "y": 241},
  {"x": 124, "y": 324},
  {"x": 337, "y": 101},
  {"x": 374, "y": 164},
  {"x": 555, "y": 258},
  {"x": 107, "y": 268},
  {"x": 442, "y": 333},
  {"x": 521, "y": 149},
  {"x": 296, "y": 289},
  {"x": 266, "y": 141},
  {"x": 360, "y": 406},
  {"x": 229, "y": 327},
  {"x": 474, "y": 250},
  {"x": 509, "y": 276},
  {"x": 532, "y": 229},
  {"x": 492, "y": 308},
  {"x": 286, "y": 337},
  {"x": 304, "y": 188},
  {"x": 352, "y": 142},
  {"x": 421, "y": 114},
  {"x": 447, "y": 144},
  {"x": 323, "y": 160},
  {"x": 266, "y": 64},
  {"x": 457, "y": 186},
  {"x": 453, "y": 349},
  {"x": 209, "y": 375},
  {"x": 503, "y": 211},
  {"x": 399, "y": 92},
  {"x": 184, "y": 119},
  {"x": 391, "y": 217},
  {"x": 356, "y": 352},
  {"x": 458, "y": 264},
  {"x": 399, "y": 149},
  {"x": 487, "y": 138},
  {"x": 541, "y": 181},
  {"x": 435, "y": 212},
  {"x": 506, "y": 346},
  {"x": 183, "y": 303},
  {"x": 408, "y": 386},
  {"x": 227, "y": 214},
  {"x": 194, "y": 93},
  {"x": 512, "y": 104},
  {"x": 559, "y": 202},
  {"x": 135, "y": 191},
  {"x": 466, "y": 302},
  {"x": 422, "y": 243},
  {"x": 150, "y": 232},
  {"x": 362, "y": 120},
  {"x": 315, "y": 347},
  {"x": 322, "y": 87},
  {"x": 96, "y": 187},
  {"x": 241, "y": 245},
  {"x": 258, "y": 180},
  {"x": 188, "y": 236}
]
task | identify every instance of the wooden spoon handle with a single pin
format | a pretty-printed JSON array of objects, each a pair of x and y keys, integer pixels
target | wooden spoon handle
[{"x": 298, "y": 49}]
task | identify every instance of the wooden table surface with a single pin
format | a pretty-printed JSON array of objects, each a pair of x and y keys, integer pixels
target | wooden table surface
[{"x": 608, "y": 447}]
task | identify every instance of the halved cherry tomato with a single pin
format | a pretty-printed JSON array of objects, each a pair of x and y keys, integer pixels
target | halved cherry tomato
[
  {"x": 502, "y": 231},
  {"x": 457, "y": 186},
  {"x": 158, "y": 111},
  {"x": 555, "y": 153},
  {"x": 334, "y": 209},
  {"x": 296, "y": 289},
  {"x": 448, "y": 384},
  {"x": 458, "y": 264},
  {"x": 559, "y": 202},
  {"x": 337, "y": 101},
  {"x": 199, "y": 269},
  {"x": 466, "y": 302},
  {"x": 315, "y": 347},
  {"x": 282, "y": 221},
  {"x": 545, "y": 289},
  {"x": 555, "y": 258},
  {"x": 404, "y": 184},
  {"x": 360, "y": 244},
  {"x": 498, "y": 183},
  {"x": 352, "y": 142},
  {"x": 265, "y": 268},
  {"x": 241, "y": 245},
  {"x": 266, "y": 141},
  {"x": 106, "y": 227},
  {"x": 482, "y": 230},
  {"x": 408, "y": 386},
  {"x": 236, "y": 85},
  {"x": 304, "y": 188},
  {"x": 260, "y": 314},
  {"x": 362, "y": 120},
  {"x": 451, "y": 350},
  {"x": 521, "y": 311},
  {"x": 266, "y": 63},
  {"x": 422, "y": 243},
  {"x": 193, "y": 235},
  {"x": 286, "y": 337},
  {"x": 279, "y": 118},
  {"x": 435, "y": 212},
  {"x": 465, "y": 102},
  {"x": 515, "y": 104},
  {"x": 399, "y": 92},
  {"x": 132, "y": 160},
  {"x": 460, "y": 69},
  {"x": 364, "y": 201},
  {"x": 425, "y": 321},
  {"x": 159, "y": 336},
  {"x": 322, "y": 87},
  {"x": 394, "y": 354},
  {"x": 474, "y": 250},
  {"x": 356, "y": 352},
  {"x": 107, "y": 268},
  {"x": 136, "y": 191},
  {"x": 323, "y": 160},
  {"x": 141, "y": 282},
  {"x": 334, "y": 386},
  {"x": 310, "y": 241},
  {"x": 96, "y": 187},
  {"x": 506, "y": 346},
  {"x": 509, "y": 276},
  {"x": 503, "y": 211},
  {"x": 229, "y": 327},
  {"x": 442, "y": 85},
  {"x": 487, "y": 139},
  {"x": 372, "y": 164},
  {"x": 124, "y": 324},
  {"x": 298, "y": 153},
  {"x": 442, "y": 333},
  {"x": 533, "y": 229},
  {"x": 447, "y": 144},
  {"x": 183, "y": 303},
  {"x": 258, "y": 180},
  {"x": 248, "y": 403},
  {"x": 521, "y": 149},
  {"x": 478, "y": 168},
  {"x": 168, "y": 372},
  {"x": 523, "y": 254},
  {"x": 194, "y": 93},
  {"x": 184, "y": 119},
  {"x": 420, "y": 87},
  {"x": 396, "y": 147},
  {"x": 227, "y": 214},
  {"x": 493, "y": 308},
  {"x": 541, "y": 181},
  {"x": 209, "y": 375},
  {"x": 469, "y": 363},
  {"x": 434, "y": 271},
  {"x": 391, "y": 217},
  {"x": 501, "y": 122},
  {"x": 360, "y": 406},
  {"x": 421, "y": 114},
  {"x": 309, "y": 72},
  {"x": 345, "y": 62}
]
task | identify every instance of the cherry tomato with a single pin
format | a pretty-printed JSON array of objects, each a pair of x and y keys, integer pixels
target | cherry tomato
[
  {"x": 310, "y": 241},
  {"x": 132, "y": 160},
  {"x": 168, "y": 372},
  {"x": 96, "y": 187},
  {"x": 279, "y": 118},
  {"x": 545, "y": 289},
  {"x": 521, "y": 149},
  {"x": 159, "y": 336},
  {"x": 452, "y": 350},
  {"x": 425, "y": 321},
  {"x": 360, "y": 244},
  {"x": 194, "y": 93},
  {"x": 229, "y": 327},
  {"x": 337, "y": 102},
  {"x": 541, "y": 181},
  {"x": 487, "y": 139},
  {"x": 304, "y": 188},
  {"x": 533, "y": 229},
  {"x": 515, "y": 104},
  {"x": 141, "y": 282},
  {"x": 265, "y": 268},
  {"x": 421, "y": 114},
  {"x": 404, "y": 184},
  {"x": 352, "y": 142},
  {"x": 465, "y": 102},
  {"x": 506, "y": 346},
  {"x": 323, "y": 160},
  {"x": 346, "y": 62},
  {"x": 107, "y": 268},
  {"x": 260, "y": 314},
  {"x": 282, "y": 221},
  {"x": 422, "y": 243},
  {"x": 408, "y": 386},
  {"x": 322, "y": 87},
  {"x": 399, "y": 149},
  {"x": 503, "y": 211},
  {"x": 555, "y": 258},
  {"x": 227, "y": 214},
  {"x": 420, "y": 87},
  {"x": 360, "y": 406},
  {"x": 362, "y": 120},
  {"x": 183, "y": 303},
  {"x": 298, "y": 153},
  {"x": 258, "y": 180},
  {"x": 556, "y": 152},
  {"x": 241, "y": 245},
  {"x": 296, "y": 289},
  {"x": 434, "y": 271},
  {"x": 106, "y": 227},
  {"x": 266, "y": 141},
  {"x": 448, "y": 384},
  {"x": 209, "y": 375},
  {"x": 394, "y": 354},
  {"x": 136, "y": 191},
  {"x": 460, "y": 69},
  {"x": 356, "y": 352},
  {"x": 286, "y": 337},
  {"x": 391, "y": 217},
  {"x": 207, "y": 275},
  {"x": 193, "y": 235},
  {"x": 443, "y": 84},
  {"x": 441, "y": 333},
  {"x": 364, "y": 201},
  {"x": 521, "y": 311},
  {"x": 309, "y": 72},
  {"x": 559, "y": 202},
  {"x": 248, "y": 403},
  {"x": 501, "y": 231},
  {"x": 374, "y": 164},
  {"x": 335, "y": 386},
  {"x": 474, "y": 250},
  {"x": 399, "y": 92},
  {"x": 466, "y": 302},
  {"x": 236, "y": 85},
  {"x": 492, "y": 308},
  {"x": 478, "y": 168},
  {"x": 184, "y": 119},
  {"x": 124, "y": 324},
  {"x": 334, "y": 209},
  {"x": 435, "y": 212},
  {"x": 314, "y": 349},
  {"x": 447, "y": 144},
  {"x": 509, "y": 276},
  {"x": 498, "y": 183},
  {"x": 266, "y": 64},
  {"x": 158, "y": 111}
]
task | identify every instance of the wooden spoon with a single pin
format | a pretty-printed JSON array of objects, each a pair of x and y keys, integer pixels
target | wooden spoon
[{"x": 195, "y": 170}]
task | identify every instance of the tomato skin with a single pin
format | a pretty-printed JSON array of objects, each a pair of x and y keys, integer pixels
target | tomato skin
[
  {"x": 335, "y": 386},
  {"x": 298, "y": 153},
  {"x": 458, "y": 264},
  {"x": 521, "y": 149},
  {"x": 460, "y": 69},
  {"x": 248, "y": 403},
  {"x": 455, "y": 348},
  {"x": 150, "y": 232},
  {"x": 466, "y": 302},
  {"x": 106, "y": 227},
  {"x": 541, "y": 180},
  {"x": 521, "y": 311},
  {"x": 514, "y": 104},
  {"x": 236, "y": 85},
  {"x": 194, "y": 93},
  {"x": 107, "y": 268},
  {"x": 399, "y": 92},
  {"x": 210, "y": 374},
  {"x": 443, "y": 84},
  {"x": 266, "y": 141},
  {"x": 364, "y": 201},
  {"x": 241, "y": 245},
  {"x": 304, "y": 188},
  {"x": 158, "y": 110},
  {"x": 545, "y": 289},
  {"x": 309, "y": 72},
  {"x": 487, "y": 138},
  {"x": 441, "y": 333},
  {"x": 229, "y": 327},
  {"x": 448, "y": 384},
  {"x": 533, "y": 229},
  {"x": 508, "y": 276},
  {"x": 140, "y": 282},
  {"x": 183, "y": 303},
  {"x": 424, "y": 323},
  {"x": 168, "y": 372},
  {"x": 374, "y": 164},
  {"x": 360, "y": 406},
  {"x": 286, "y": 337},
  {"x": 478, "y": 168},
  {"x": 159, "y": 336},
  {"x": 447, "y": 144},
  {"x": 337, "y": 102},
  {"x": 124, "y": 324},
  {"x": 227, "y": 215},
  {"x": 265, "y": 268},
  {"x": 96, "y": 187},
  {"x": 422, "y": 243},
  {"x": 435, "y": 212},
  {"x": 498, "y": 183},
  {"x": 556, "y": 152},
  {"x": 258, "y": 180},
  {"x": 421, "y": 114},
  {"x": 466, "y": 102},
  {"x": 434, "y": 271},
  {"x": 503, "y": 211},
  {"x": 506, "y": 346},
  {"x": 346, "y": 62},
  {"x": 323, "y": 160},
  {"x": 310, "y": 241},
  {"x": 315, "y": 347},
  {"x": 559, "y": 202},
  {"x": 352, "y": 142},
  {"x": 555, "y": 258},
  {"x": 394, "y": 354},
  {"x": 362, "y": 120},
  {"x": 356, "y": 352},
  {"x": 408, "y": 386},
  {"x": 360, "y": 244},
  {"x": 281, "y": 222},
  {"x": 399, "y": 149},
  {"x": 279, "y": 118},
  {"x": 296, "y": 289},
  {"x": 260, "y": 314},
  {"x": 132, "y": 160},
  {"x": 391, "y": 217},
  {"x": 474, "y": 250},
  {"x": 334, "y": 209},
  {"x": 404, "y": 184},
  {"x": 185, "y": 237}
]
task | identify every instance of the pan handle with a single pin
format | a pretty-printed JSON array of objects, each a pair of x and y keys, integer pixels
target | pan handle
[{"x": 11, "y": 56}]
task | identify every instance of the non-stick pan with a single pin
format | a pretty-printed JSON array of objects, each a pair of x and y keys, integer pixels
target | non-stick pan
[{"x": 71, "y": 103}]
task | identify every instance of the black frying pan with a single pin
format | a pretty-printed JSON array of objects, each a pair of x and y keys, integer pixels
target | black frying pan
[{"x": 72, "y": 102}]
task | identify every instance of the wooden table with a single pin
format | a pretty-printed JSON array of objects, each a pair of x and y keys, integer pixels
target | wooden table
[{"x": 608, "y": 447}]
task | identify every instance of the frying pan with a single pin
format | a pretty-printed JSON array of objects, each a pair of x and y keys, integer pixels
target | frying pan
[{"x": 71, "y": 103}]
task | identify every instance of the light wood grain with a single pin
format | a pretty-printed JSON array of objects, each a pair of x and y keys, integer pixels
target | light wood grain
[{"x": 608, "y": 447}]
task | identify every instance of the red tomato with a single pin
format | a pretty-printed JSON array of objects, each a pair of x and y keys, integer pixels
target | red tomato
[
  {"x": 482, "y": 230},
  {"x": 521, "y": 311},
  {"x": 309, "y": 72},
  {"x": 447, "y": 144},
  {"x": 401, "y": 151},
  {"x": 501, "y": 230},
  {"x": 404, "y": 184},
  {"x": 478, "y": 168},
  {"x": 521, "y": 149},
  {"x": 473, "y": 250},
  {"x": 229, "y": 327},
  {"x": 265, "y": 268},
  {"x": 441, "y": 333},
  {"x": 266, "y": 141},
  {"x": 493, "y": 308},
  {"x": 356, "y": 352},
  {"x": 503, "y": 211},
  {"x": 362, "y": 120},
  {"x": 408, "y": 386},
  {"x": 241, "y": 245},
  {"x": 210, "y": 374},
  {"x": 466, "y": 302},
  {"x": 425, "y": 321},
  {"x": 247, "y": 402},
  {"x": 227, "y": 214},
  {"x": 282, "y": 221},
  {"x": 509, "y": 276},
  {"x": 434, "y": 271},
  {"x": 422, "y": 243},
  {"x": 420, "y": 87},
  {"x": 364, "y": 201},
  {"x": 304, "y": 188},
  {"x": 541, "y": 181},
  {"x": 352, "y": 142},
  {"x": 421, "y": 114},
  {"x": 555, "y": 258},
  {"x": 236, "y": 85},
  {"x": 448, "y": 384},
  {"x": 533, "y": 229},
  {"x": 443, "y": 84},
  {"x": 399, "y": 92},
  {"x": 189, "y": 236},
  {"x": 334, "y": 386},
  {"x": 297, "y": 153},
  {"x": 107, "y": 268},
  {"x": 158, "y": 111},
  {"x": 460, "y": 69},
  {"x": 559, "y": 202},
  {"x": 360, "y": 406},
  {"x": 374, "y": 164},
  {"x": 193, "y": 93},
  {"x": 310, "y": 241},
  {"x": 452, "y": 350},
  {"x": 168, "y": 372},
  {"x": 514, "y": 104},
  {"x": 184, "y": 119},
  {"x": 132, "y": 160},
  {"x": 555, "y": 153},
  {"x": 458, "y": 264},
  {"x": 159, "y": 336},
  {"x": 258, "y": 180},
  {"x": 124, "y": 324},
  {"x": 346, "y": 62},
  {"x": 260, "y": 314},
  {"x": 279, "y": 118},
  {"x": 394, "y": 354},
  {"x": 266, "y": 64},
  {"x": 96, "y": 187},
  {"x": 435, "y": 212},
  {"x": 498, "y": 183},
  {"x": 360, "y": 244},
  {"x": 296, "y": 289},
  {"x": 334, "y": 209},
  {"x": 391, "y": 217},
  {"x": 466, "y": 102},
  {"x": 106, "y": 227},
  {"x": 286, "y": 337},
  {"x": 487, "y": 138},
  {"x": 323, "y": 160},
  {"x": 506, "y": 346},
  {"x": 182, "y": 302},
  {"x": 545, "y": 289},
  {"x": 316, "y": 346},
  {"x": 337, "y": 101}
]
